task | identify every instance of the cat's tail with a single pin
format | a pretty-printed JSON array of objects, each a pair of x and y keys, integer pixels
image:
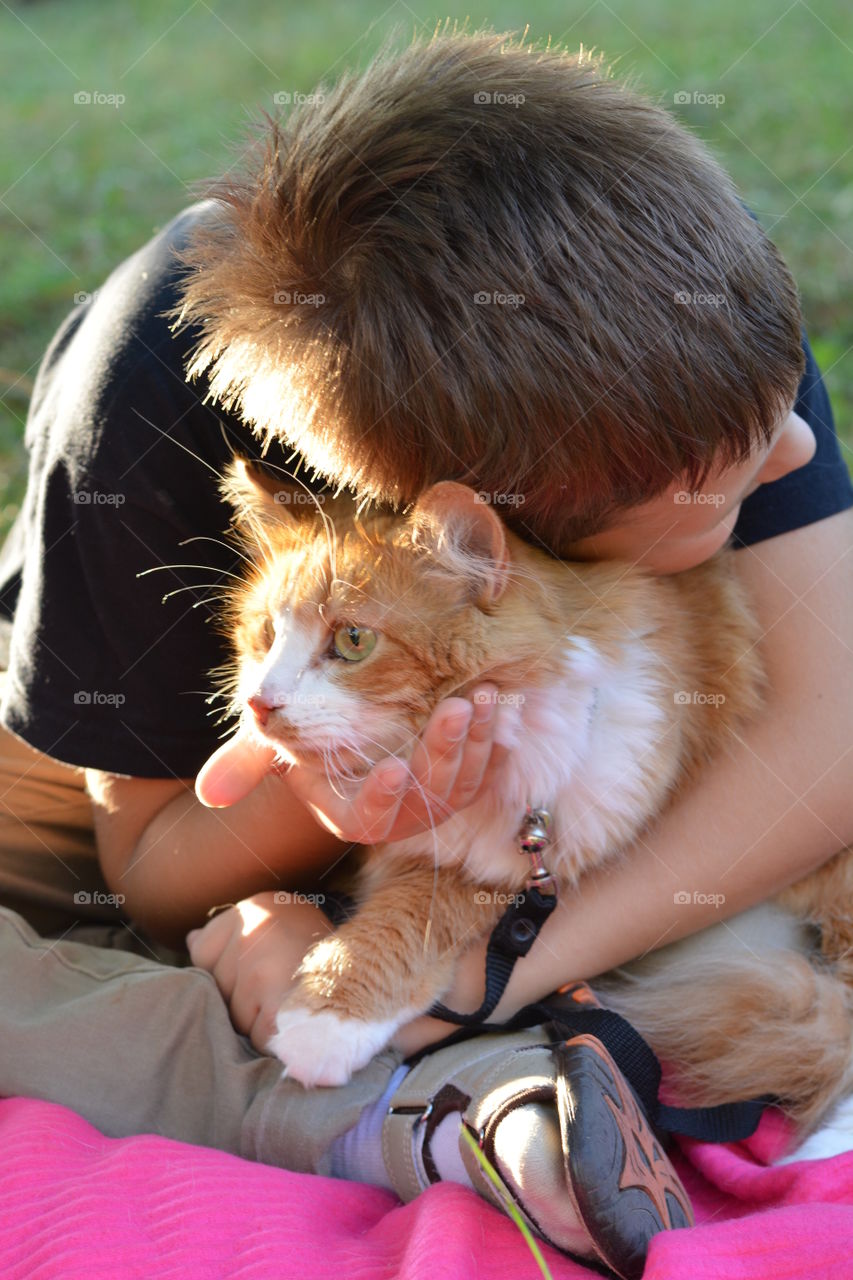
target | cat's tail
[
  {"x": 825, "y": 900},
  {"x": 741, "y": 1026}
]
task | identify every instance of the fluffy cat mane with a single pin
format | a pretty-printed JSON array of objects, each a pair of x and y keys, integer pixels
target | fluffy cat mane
[{"x": 613, "y": 686}]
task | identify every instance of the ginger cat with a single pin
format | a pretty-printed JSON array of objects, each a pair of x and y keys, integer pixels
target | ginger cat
[{"x": 615, "y": 687}]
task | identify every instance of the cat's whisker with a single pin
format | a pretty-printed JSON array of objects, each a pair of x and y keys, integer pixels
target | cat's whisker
[
  {"x": 345, "y": 582},
  {"x": 195, "y": 586},
  {"x": 219, "y": 542},
  {"x": 331, "y": 754},
  {"x": 209, "y": 600},
  {"x": 349, "y": 775},
  {"x": 327, "y": 765},
  {"x": 436, "y": 861},
  {"x": 210, "y": 568},
  {"x": 433, "y": 824},
  {"x": 351, "y": 744},
  {"x": 202, "y": 693},
  {"x": 178, "y": 443}
]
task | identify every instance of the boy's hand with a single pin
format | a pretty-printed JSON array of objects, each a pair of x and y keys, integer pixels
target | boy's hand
[
  {"x": 253, "y": 950},
  {"x": 452, "y": 763}
]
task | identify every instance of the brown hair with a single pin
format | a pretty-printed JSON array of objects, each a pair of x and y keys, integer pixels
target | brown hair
[{"x": 485, "y": 262}]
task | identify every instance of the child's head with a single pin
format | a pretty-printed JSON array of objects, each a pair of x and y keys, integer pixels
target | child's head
[
  {"x": 483, "y": 262},
  {"x": 680, "y": 527}
]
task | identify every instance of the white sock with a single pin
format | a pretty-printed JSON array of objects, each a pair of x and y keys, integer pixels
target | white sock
[
  {"x": 445, "y": 1150},
  {"x": 357, "y": 1154}
]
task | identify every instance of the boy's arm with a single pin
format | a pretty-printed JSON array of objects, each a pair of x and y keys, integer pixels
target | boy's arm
[
  {"x": 172, "y": 858},
  {"x": 759, "y": 818}
]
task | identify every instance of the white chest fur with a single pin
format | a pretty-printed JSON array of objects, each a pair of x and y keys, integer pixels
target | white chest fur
[{"x": 583, "y": 749}]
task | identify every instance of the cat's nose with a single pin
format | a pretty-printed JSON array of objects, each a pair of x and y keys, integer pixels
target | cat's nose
[{"x": 260, "y": 708}]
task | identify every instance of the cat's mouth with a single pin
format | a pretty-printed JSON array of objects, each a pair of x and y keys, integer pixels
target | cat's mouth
[
  {"x": 343, "y": 755},
  {"x": 336, "y": 761}
]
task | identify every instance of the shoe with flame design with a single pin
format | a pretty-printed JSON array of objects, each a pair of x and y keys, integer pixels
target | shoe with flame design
[{"x": 562, "y": 1128}]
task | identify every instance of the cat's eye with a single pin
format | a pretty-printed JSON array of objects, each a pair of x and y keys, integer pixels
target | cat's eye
[
  {"x": 354, "y": 643},
  {"x": 267, "y": 633}
]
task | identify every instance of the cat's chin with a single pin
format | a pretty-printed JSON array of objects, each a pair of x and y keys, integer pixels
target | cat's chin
[{"x": 308, "y": 756}]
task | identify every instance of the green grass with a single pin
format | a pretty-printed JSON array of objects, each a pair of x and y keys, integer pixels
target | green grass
[
  {"x": 83, "y": 186},
  {"x": 512, "y": 1210}
]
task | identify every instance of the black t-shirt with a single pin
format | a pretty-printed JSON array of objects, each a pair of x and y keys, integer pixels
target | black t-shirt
[{"x": 124, "y": 465}]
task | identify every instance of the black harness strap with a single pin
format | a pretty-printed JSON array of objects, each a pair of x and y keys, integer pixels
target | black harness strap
[
  {"x": 519, "y": 926},
  {"x": 513, "y": 936},
  {"x": 729, "y": 1122}
]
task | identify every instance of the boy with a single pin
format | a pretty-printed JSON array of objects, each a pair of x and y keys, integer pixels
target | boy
[{"x": 473, "y": 262}]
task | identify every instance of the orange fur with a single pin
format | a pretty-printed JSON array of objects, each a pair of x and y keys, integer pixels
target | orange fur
[{"x": 455, "y": 598}]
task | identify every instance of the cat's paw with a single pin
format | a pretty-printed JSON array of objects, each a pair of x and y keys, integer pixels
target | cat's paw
[{"x": 320, "y": 1047}]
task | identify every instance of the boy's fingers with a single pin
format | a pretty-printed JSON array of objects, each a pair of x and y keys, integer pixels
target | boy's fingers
[
  {"x": 232, "y": 772},
  {"x": 366, "y": 815},
  {"x": 437, "y": 756},
  {"x": 477, "y": 751},
  {"x": 244, "y": 1005},
  {"x": 448, "y": 767},
  {"x": 225, "y": 970},
  {"x": 206, "y": 944},
  {"x": 497, "y": 757},
  {"x": 377, "y": 804},
  {"x": 313, "y": 788},
  {"x": 449, "y": 763},
  {"x": 263, "y": 1025},
  {"x": 455, "y": 767}
]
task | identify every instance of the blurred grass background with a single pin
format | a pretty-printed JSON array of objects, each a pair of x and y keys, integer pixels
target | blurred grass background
[{"x": 81, "y": 187}]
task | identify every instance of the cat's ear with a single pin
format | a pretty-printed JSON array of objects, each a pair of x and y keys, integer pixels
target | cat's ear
[
  {"x": 259, "y": 503},
  {"x": 464, "y": 533}
]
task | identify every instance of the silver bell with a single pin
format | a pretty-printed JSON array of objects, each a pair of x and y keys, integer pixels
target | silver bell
[{"x": 533, "y": 836}]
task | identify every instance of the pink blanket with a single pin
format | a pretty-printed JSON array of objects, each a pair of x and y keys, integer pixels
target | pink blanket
[{"x": 76, "y": 1204}]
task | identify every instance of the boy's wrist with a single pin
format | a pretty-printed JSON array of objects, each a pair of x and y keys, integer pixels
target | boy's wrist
[{"x": 190, "y": 858}]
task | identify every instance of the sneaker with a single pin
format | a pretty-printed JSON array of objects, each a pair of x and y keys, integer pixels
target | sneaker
[{"x": 562, "y": 1128}]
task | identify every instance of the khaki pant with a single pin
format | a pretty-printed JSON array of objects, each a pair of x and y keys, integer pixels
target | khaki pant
[{"x": 90, "y": 1016}]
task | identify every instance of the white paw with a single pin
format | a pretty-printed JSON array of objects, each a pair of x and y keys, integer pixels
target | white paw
[{"x": 322, "y": 1048}]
